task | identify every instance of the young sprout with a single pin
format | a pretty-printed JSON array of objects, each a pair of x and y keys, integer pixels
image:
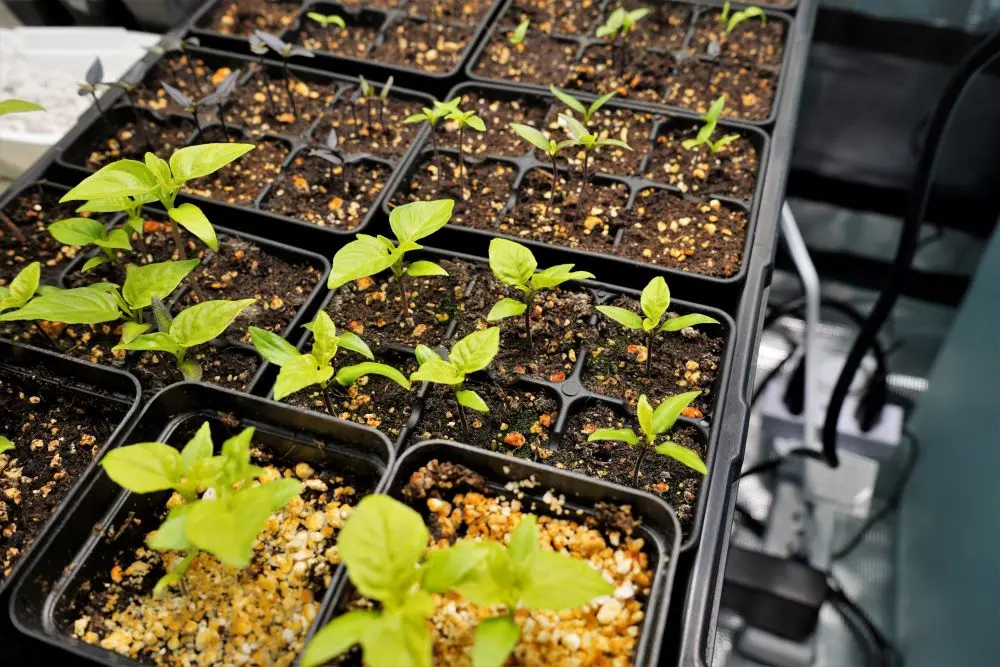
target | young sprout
[
  {"x": 21, "y": 288},
  {"x": 285, "y": 51},
  {"x": 653, "y": 424},
  {"x": 383, "y": 97},
  {"x": 92, "y": 79},
  {"x": 704, "y": 136},
  {"x": 259, "y": 48},
  {"x": 745, "y": 15},
  {"x": 473, "y": 353},
  {"x": 654, "y": 301},
  {"x": 465, "y": 119},
  {"x": 618, "y": 27},
  {"x": 580, "y": 136},
  {"x": 519, "y": 33},
  {"x": 85, "y": 232},
  {"x": 187, "y": 104},
  {"x": 367, "y": 255},
  {"x": 327, "y": 20},
  {"x": 329, "y": 154},
  {"x": 231, "y": 511},
  {"x": 173, "y": 44},
  {"x": 18, "y": 106},
  {"x": 514, "y": 265},
  {"x": 219, "y": 97},
  {"x": 432, "y": 117},
  {"x": 299, "y": 370},
  {"x": 576, "y": 105},
  {"x": 545, "y": 143}
]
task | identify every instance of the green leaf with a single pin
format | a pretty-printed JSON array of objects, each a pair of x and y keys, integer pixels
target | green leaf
[
  {"x": 18, "y": 106},
  {"x": 532, "y": 136},
  {"x": 411, "y": 645},
  {"x": 655, "y": 299},
  {"x": 325, "y": 339},
  {"x": 159, "y": 168},
  {"x": 476, "y": 351},
  {"x": 439, "y": 372},
  {"x": 363, "y": 257},
  {"x": 505, "y": 308},
  {"x": 159, "y": 280},
  {"x": 511, "y": 262},
  {"x": 607, "y": 141},
  {"x": 557, "y": 581},
  {"x": 117, "y": 239},
  {"x": 381, "y": 544},
  {"x": 170, "y": 535},
  {"x": 471, "y": 400},
  {"x": 299, "y": 373},
  {"x": 644, "y": 413},
  {"x": 523, "y": 546},
  {"x": 272, "y": 347},
  {"x": 77, "y": 231},
  {"x": 111, "y": 205},
  {"x": 425, "y": 354},
  {"x": 236, "y": 457},
  {"x": 625, "y": 435},
  {"x": 715, "y": 111},
  {"x": 748, "y": 13},
  {"x": 667, "y": 412},
  {"x": 93, "y": 263},
  {"x": 204, "y": 321},
  {"x": 419, "y": 219},
  {"x": 199, "y": 447},
  {"x": 22, "y": 287},
  {"x": 144, "y": 467},
  {"x": 348, "y": 375},
  {"x": 130, "y": 330},
  {"x": 424, "y": 268},
  {"x": 80, "y": 305},
  {"x": 574, "y": 127},
  {"x": 519, "y": 33},
  {"x": 191, "y": 218},
  {"x": 492, "y": 581},
  {"x": 626, "y": 318},
  {"x": 158, "y": 340},
  {"x": 338, "y": 636},
  {"x": 201, "y": 160},
  {"x": 5, "y": 444},
  {"x": 685, "y": 321},
  {"x": 597, "y": 104},
  {"x": 353, "y": 342},
  {"x": 446, "y": 568},
  {"x": 476, "y": 123},
  {"x": 557, "y": 275},
  {"x": 723, "y": 142},
  {"x": 681, "y": 453},
  {"x": 567, "y": 99},
  {"x": 495, "y": 640},
  {"x": 119, "y": 179}
]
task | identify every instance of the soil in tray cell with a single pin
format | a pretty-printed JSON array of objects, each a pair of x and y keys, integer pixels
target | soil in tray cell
[
  {"x": 539, "y": 59},
  {"x": 466, "y": 12},
  {"x": 107, "y": 145},
  {"x": 479, "y": 197},
  {"x": 686, "y": 360},
  {"x": 497, "y": 114},
  {"x": 750, "y": 41},
  {"x": 241, "y": 181},
  {"x": 518, "y": 422},
  {"x": 627, "y": 71},
  {"x": 572, "y": 17},
  {"x": 31, "y": 214},
  {"x": 338, "y": 197},
  {"x": 629, "y": 126},
  {"x": 428, "y": 47},
  {"x": 665, "y": 28},
  {"x": 371, "y": 307},
  {"x": 370, "y": 126},
  {"x": 56, "y": 436},
  {"x": 615, "y": 461},
  {"x": 353, "y": 42},
  {"x": 749, "y": 90},
  {"x": 562, "y": 222},
  {"x": 189, "y": 74},
  {"x": 242, "y": 17},
  {"x": 222, "y": 615},
  {"x": 262, "y": 104},
  {"x": 729, "y": 172},
  {"x": 228, "y": 367},
  {"x": 703, "y": 237}
]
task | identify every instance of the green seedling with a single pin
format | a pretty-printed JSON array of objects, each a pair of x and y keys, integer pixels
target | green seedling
[
  {"x": 285, "y": 51},
  {"x": 520, "y": 32},
  {"x": 514, "y": 265},
  {"x": 653, "y": 424},
  {"x": 299, "y": 370},
  {"x": 85, "y": 232},
  {"x": 5, "y": 444},
  {"x": 327, "y": 20},
  {"x": 91, "y": 80},
  {"x": 586, "y": 112},
  {"x": 18, "y": 106},
  {"x": 367, "y": 93},
  {"x": 550, "y": 146},
  {"x": 618, "y": 27},
  {"x": 580, "y": 136},
  {"x": 259, "y": 49},
  {"x": 432, "y": 117},
  {"x": 654, "y": 301},
  {"x": 128, "y": 183},
  {"x": 368, "y": 255},
  {"x": 465, "y": 119},
  {"x": 704, "y": 136},
  {"x": 745, "y": 15},
  {"x": 473, "y": 353},
  {"x": 21, "y": 288},
  {"x": 231, "y": 510}
]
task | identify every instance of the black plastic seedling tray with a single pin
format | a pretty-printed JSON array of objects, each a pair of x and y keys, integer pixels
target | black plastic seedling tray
[
  {"x": 721, "y": 291},
  {"x": 359, "y": 15},
  {"x": 659, "y": 526},
  {"x": 88, "y": 536},
  {"x": 581, "y": 43}
]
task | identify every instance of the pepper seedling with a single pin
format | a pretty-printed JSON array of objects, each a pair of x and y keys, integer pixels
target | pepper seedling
[
  {"x": 231, "y": 510},
  {"x": 516, "y": 37},
  {"x": 195, "y": 325},
  {"x": 173, "y": 44},
  {"x": 91, "y": 80},
  {"x": 551, "y": 148},
  {"x": 327, "y": 20},
  {"x": 259, "y": 49},
  {"x": 653, "y": 424},
  {"x": 219, "y": 97},
  {"x": 619, "y": 25},
  {"x": 745, "y": 15},
  {"x": 21, "y": 288},
  {"x": 704, "y": 136},
  {"x": 15, "y": 105},
  {"x": 299, "y": 370},
  {"x": 432, "y": 117},
  {"x": 587, "y": 112},
  {"x": 468, "y": 355},
  {"x": 368, "y": 255},
  {"x": 654, "y": 301},
  {"x": 366, "y": 92},
  {"x": 85, "y": 232},
  {"x": 580, "y": 136},
  {"x": 328, "y": 154},
  {"x": 514, "y": 265},
  {"x": 465, "y": 119},
  {"x": 285, "y": 51}
]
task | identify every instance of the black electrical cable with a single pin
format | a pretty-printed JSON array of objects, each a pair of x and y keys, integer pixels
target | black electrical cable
[
  {"x": 916, "y": 209},
  {"x": 875, "y": 645}
]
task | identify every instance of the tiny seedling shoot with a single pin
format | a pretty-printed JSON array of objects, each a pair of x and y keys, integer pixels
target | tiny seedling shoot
[
  {"x": 465, "y": 119},
  {"x": 330, "y": 155},
  {"x": 704, "y": 136},
  {"x": 259, "y": 49},
  {"x": 285, "y": 51},
  {"x": 396, "y": 569},
  {"x": 219, "y": 98},
  {"x": 516, "y": 38},
  {"x": 653, "y": 424},
  {"x": 550, "y": 146},
  {"x": 580, "y": 136},
  {"x": 473, "y": 353},
  {"x": 374, "y": 102},
  {"x": 654, "y": 301},
  {"x": 618, "y": 27},
  {"x": 299, "y": 370},
  {"x": 327, "y": 20},
  {"x": 367, "y": 255},
  {"x": 91, "y": 80},
  {"x": 223, "y": 508},
  {"x": 586, "y": 112},
  {"x": 432, "y": 117},
  {"x": 514, "y": 265},
  {"x": 732, "y": 20}
]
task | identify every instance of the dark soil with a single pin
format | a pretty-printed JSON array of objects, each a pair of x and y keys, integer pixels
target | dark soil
[
  {"x": 665, "y": 28},
  {"x": 428, "y": 47},
  {"x": 108, "y": 146},
  {"x": 232, "y": 368},
  {"x": 572, "y": 17},
  {"x": 642, "y": 76},
  {"x": 352, "y": 42},
  {"x": 750, "y": 41},
  {"x": 467, "y": 12},
  {"x": 371, "y": 308},
  {"x": 701, "y": 237},
  {"x": 632, "y": 127},
  {"x": 614, "y": 461},
  {"x": 262, "y": 104},
  {"x": 730, "y": 172},
  {"x": 91, "y": 342},
  {"x": 687, "y": 360},
  {"x": 539, "y": 59},
  {"x": 371, "y": 127},
  {"x": 372, "y": 4},
  {"x": 242, "y": 181},
  {"x": 176, "y": 69},
  {"x": 338, "y": 197},
  {"x": 478, "y": 204},
  {"x": 244, "y": 16},
  {"x": 749, "y": 91},
  {"x": 518, "y": 422},
  {"x": 498, "y": 114},
  {"x": 56, "y": 435}
]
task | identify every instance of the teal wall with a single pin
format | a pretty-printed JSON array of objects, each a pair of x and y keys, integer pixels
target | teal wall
[{"x": 957, "y": 13}]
